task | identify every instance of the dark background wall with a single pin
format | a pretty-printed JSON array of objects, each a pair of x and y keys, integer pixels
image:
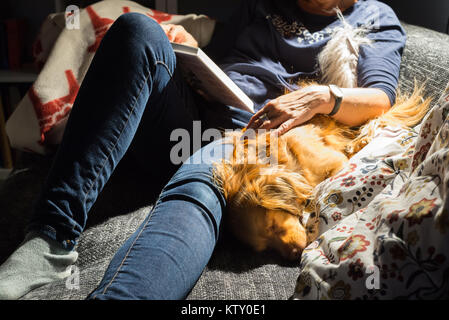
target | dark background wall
[
  {"x": 220, "y": 10},
  {"x": 433, "y": 14}
]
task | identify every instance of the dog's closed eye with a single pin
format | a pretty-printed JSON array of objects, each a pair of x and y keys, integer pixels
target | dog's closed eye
[{"x": 285, "y": 234}]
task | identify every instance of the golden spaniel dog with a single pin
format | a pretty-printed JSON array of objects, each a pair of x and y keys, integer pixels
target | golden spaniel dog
[{"x": 265, "y": 201}]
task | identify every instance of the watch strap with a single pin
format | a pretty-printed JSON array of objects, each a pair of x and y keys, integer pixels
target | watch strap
[{"x": 338, "y": 100}]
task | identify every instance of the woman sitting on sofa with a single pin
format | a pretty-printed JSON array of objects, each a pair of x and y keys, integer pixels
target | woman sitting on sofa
[{"x": 133, "y": 97}]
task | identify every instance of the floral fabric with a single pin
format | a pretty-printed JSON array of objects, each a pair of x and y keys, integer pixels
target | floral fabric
[{"x": 383, "y": 220}]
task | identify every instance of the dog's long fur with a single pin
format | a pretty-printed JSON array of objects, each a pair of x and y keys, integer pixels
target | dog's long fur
[
  {"x": 265, "y": 203},
  {"x": 339, "y": 58}
]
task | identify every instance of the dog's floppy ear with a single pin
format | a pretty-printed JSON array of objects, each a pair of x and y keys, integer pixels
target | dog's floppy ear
[
  {"x": 283, "y": 189},
  {"x": 251, "y": 153}
]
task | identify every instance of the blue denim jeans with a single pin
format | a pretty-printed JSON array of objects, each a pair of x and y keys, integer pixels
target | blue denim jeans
[{"x": 131, "y": 100}]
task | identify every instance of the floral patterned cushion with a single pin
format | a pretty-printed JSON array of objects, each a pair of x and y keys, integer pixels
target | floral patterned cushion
[{"x": 384, "y": 220}]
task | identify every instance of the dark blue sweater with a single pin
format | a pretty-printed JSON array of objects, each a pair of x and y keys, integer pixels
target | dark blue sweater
[{"x": 270, "y": 44}]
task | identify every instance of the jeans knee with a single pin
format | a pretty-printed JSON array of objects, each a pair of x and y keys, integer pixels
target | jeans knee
[
  {"x": 137, "y": 26},
  {"x": 134, "y": 21},
  {"x": 140, "y": 38}
]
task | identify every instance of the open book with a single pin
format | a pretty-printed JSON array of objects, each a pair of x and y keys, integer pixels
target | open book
[{"x": 207, "y": 78}]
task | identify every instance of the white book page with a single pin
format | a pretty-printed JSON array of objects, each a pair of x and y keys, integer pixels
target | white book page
[{"x": 203, "y": 74}]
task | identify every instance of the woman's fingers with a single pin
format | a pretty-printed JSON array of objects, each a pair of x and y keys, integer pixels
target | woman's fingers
[
  {"x": 290, "y": 110},
  {"x": 269, "y": 117},
  {"x": 285, "y": 127},
  {"x": 178, "y": 34},
  {"x": 303, "y": 116},
  {"x": 274, "y": 122},
  {"x": 166, "y": 28},
  {"x": 170, "y": 32},
  {"x": 258, "y": 118},
  {"x": 255, "y": 119}
]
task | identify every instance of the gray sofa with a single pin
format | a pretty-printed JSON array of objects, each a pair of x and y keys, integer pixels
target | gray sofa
[{"x": 234, "y": 272}]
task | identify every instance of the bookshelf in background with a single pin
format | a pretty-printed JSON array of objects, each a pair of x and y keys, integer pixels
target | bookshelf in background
[
  {"x": 17, "y": 72},
  {"x": 6, "y": 154},
  {"x": 16, "y": 75},
  {"x": 12, "y": 43},
  {"x": 13, "y": 86}
]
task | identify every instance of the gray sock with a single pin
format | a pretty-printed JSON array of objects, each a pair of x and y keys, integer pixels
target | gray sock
[{"x": 38, "y": 261}]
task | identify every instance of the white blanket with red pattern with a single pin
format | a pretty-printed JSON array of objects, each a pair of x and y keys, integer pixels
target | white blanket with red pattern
[{"x": 64, "y": 56}]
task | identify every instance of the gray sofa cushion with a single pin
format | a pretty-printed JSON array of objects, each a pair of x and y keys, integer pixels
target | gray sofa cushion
[
  {"x": 234, "y": 272},
  {"x": 426, "y": 59}
]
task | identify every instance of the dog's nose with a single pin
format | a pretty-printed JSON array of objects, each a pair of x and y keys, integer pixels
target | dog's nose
[
  {"x": 296, "y": 253},
  {"x": 293, "y": 253}
]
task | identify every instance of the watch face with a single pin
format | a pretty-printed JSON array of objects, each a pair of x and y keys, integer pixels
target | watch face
[{"x": 336, "y": 91}]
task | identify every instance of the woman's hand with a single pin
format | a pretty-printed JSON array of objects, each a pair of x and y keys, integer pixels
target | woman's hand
[
  {"x": 178, "y": 34},
  {"x": 293, "y": 109}
]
